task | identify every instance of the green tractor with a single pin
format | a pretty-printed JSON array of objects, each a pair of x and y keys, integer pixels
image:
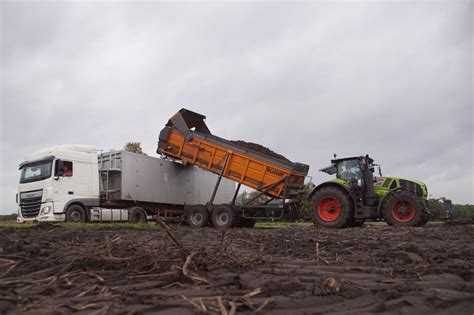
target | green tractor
[{"x": 356, "y": 195}]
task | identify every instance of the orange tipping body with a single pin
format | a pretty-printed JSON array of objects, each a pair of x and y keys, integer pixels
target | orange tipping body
[{"x": 186, "y": 138}]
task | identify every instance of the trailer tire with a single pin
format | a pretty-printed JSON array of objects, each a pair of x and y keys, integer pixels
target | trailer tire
[
  {"x": 197, "y": 216},
  {"x": 332, "y": 208},
  {"x": 76, "y": 213},
  {"x": 404, "y": 209},
  {"x": 224, "y": 217},
  {"x": 137, "y": 215},
  {"x": 247, "y": 223}
]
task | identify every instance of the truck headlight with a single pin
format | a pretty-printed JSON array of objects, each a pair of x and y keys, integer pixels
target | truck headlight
[{"x": 45, "y": 210}]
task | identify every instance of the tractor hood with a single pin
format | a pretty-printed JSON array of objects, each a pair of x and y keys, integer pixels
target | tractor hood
[{"x": 386, "y": 182}]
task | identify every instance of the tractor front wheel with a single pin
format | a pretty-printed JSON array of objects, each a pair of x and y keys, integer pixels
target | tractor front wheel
[
  {"x": 403, "y": 208},
  {"x": 331, "y": 207}
]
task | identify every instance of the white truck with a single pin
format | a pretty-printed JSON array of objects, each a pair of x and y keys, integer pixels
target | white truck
[{"x": 75, "y": 183}]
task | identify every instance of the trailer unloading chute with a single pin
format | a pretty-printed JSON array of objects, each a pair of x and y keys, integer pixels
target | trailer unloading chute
[{"x": 187, "y": 138}]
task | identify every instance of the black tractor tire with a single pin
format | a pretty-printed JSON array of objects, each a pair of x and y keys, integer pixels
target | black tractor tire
[
  {"x": 197, "y": 216},
  {"x": 247, "y": 223},
  {"x": 331, "y": 207},
  {"x": 224, "y": 217},
  {"x": 137, "y": 215},
  {"x": 76, "y": 214},
  {"x": 403, "y": 208}
]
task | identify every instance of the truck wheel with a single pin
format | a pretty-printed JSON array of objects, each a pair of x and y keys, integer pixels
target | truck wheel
[
  {"x": 137, "y": 215},
  {"x": 223, "y": 217},
  {"x": 331, "y": 208},
  {"x": 197, "y": 217},
  {"x": 403, "y": 208},
  {"x": 75, "y": 213}
]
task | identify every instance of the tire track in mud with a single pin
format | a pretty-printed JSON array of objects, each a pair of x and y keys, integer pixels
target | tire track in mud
[{"x": 374, "y": 269}]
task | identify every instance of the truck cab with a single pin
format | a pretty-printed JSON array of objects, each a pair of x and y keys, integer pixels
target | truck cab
[{"x": 55, "y": 178}]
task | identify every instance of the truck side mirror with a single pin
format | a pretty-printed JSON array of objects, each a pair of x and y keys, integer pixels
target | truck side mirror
[{"x": 59, "y": 169}]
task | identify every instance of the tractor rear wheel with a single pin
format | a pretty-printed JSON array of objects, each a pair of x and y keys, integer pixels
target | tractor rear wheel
[
  {"x": 332, "y": 208},
  {"x": 197, "y": 216},
  {"x": 224, "y": 217},
  {"x": 403, "y": 208}
]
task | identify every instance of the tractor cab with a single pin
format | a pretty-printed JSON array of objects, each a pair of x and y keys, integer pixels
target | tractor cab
[{"x": 356, "y": 171}]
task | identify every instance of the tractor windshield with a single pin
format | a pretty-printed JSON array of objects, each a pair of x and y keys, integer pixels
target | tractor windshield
[{"x": 349, "y": 170}]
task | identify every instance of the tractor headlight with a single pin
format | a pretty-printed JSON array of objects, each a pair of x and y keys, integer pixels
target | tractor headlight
[{"x": 45, "y": 210}]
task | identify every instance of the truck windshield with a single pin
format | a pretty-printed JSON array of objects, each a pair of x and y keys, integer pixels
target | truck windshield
[
  {"x": 35, "y": 171},
  {"x": 349, "y": 170}
]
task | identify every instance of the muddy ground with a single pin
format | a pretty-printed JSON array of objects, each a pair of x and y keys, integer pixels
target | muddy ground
[{"x": 373, "y": 269}]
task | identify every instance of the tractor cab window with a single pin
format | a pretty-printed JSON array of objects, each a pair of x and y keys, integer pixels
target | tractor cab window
[{"x": 349, "y": 170}]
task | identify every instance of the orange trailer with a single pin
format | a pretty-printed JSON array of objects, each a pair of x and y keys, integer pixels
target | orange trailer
[{"x": 187, "y": 138}]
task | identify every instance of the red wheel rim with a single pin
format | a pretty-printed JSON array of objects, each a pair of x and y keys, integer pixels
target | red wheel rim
[
  {"x": 329, "y": 209},
  {"x": 403, "y": 211}
]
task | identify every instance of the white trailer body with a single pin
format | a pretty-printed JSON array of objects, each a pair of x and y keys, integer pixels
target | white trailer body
[{"x": 105, "y": 191}]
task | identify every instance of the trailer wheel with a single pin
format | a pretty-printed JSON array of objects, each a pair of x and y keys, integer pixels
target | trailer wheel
[
  {"x": 331, "y": 208},
  {"x": 75, "y": 213},
  {"x": 137, "y": 215},
  {"x": 403, "y": 208},
  {"x": 197, "y": 216},
  {"x": 247, "y": 223},
  {"x": 223, "y": 217}
]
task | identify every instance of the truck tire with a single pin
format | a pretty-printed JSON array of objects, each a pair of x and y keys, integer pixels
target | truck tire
[
  {"x": 137, "y": 215},
  {"x": 403, "y": 208},
  {"x": 76, "y": 213},
  {"x": 224, "y": 217},
  {"x": 332, "y": 208},
  {"x": 197, "y": 216}
]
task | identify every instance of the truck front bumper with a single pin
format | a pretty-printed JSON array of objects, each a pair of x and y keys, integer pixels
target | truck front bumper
[{"x": 46, "y": 214}]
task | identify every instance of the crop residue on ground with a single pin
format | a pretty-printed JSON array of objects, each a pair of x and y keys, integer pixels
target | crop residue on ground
[{"x": 373, "y": 269}]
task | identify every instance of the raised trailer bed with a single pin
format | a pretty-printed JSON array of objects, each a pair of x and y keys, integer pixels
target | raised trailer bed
[{"x": 187, "y": 138}]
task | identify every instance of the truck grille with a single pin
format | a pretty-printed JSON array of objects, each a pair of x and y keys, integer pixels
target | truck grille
[{"x": 30, "y": 203}]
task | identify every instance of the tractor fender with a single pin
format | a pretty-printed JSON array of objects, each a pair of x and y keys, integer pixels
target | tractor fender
[
  {"x": 391, "y": 192},
  {"x": 332, "y": 184}
]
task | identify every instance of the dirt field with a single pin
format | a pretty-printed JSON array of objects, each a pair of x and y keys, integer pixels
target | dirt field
[{"x": 373, "y": 269}]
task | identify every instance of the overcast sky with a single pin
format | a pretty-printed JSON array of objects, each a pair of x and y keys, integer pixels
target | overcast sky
[{"x": 393, "y": 79}]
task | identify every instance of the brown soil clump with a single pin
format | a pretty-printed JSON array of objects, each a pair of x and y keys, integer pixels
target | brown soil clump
[
  {"x": 373, "y": 269},
  {"x": 260, "y": 148}
]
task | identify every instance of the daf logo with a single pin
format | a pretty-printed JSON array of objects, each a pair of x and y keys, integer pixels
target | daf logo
[{"x": 31, "y": 194}]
